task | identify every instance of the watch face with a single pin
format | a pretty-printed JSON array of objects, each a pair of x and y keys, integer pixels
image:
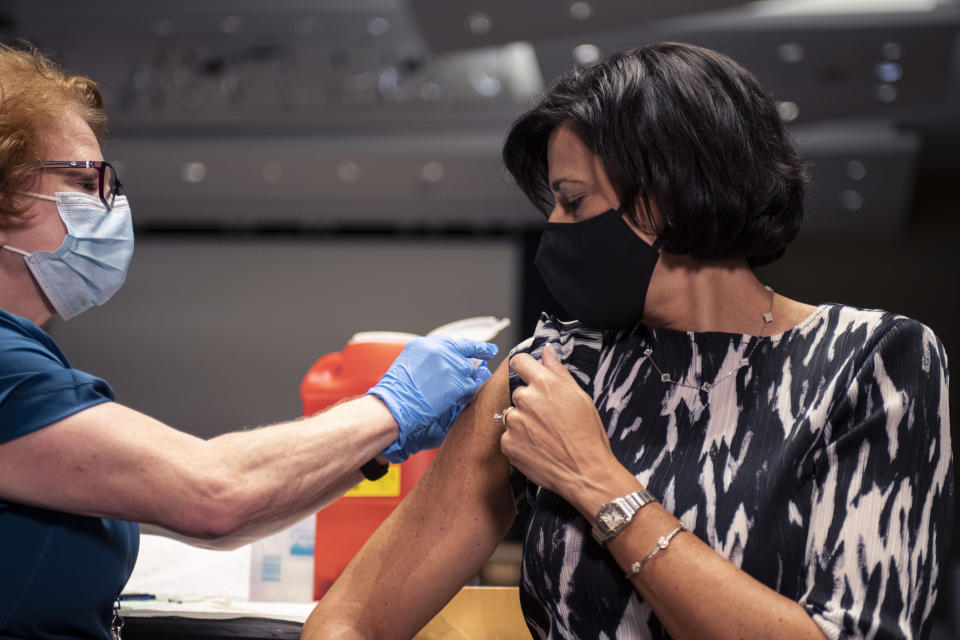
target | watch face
[{"x": 611, "y": 517}]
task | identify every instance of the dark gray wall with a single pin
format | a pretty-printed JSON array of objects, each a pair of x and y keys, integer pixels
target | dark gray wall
[{"x": 214, "y": 334}]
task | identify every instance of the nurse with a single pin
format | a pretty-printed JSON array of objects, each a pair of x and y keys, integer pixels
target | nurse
[{"x": 78, "y": 471}]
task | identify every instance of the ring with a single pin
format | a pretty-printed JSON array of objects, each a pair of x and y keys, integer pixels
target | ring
[{"x": 501, "y": 416}]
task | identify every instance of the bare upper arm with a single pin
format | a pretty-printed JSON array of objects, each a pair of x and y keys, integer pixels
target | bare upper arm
[
  {"x": 105, "y": 461},
  {"x": 435, "y": 540}
]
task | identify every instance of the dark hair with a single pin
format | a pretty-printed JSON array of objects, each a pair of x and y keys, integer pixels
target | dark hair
[{"x": 687, "y": 128}]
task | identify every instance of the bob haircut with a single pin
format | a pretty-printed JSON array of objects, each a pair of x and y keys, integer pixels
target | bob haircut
[
  {"x": 34, "y": 92},
  {"x": 687, "y": 128}
]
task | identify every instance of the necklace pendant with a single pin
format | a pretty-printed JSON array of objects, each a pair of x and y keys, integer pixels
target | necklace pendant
[
  {"x": 744, "y": 361},
  {"x": 116, "y": 625}
]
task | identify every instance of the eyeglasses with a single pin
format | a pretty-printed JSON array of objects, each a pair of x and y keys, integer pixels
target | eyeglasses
[{"x": 109, "y": 186}]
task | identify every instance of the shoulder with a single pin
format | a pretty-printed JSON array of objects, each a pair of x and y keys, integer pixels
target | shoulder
[
  {"x": 842, "y": 319},
  {"x": 865, "y": 333},
  {"x": 577, "y": 346},
  {"x": 899, "y": 377},
  {"x": 907, "y": 355},
  {"x": 12, "y": 325},
  {"x": 25, "y": 345},
  {"x": 550, "y": 329},
  {"x": 37, "y": 385},
  {"x": 886, "y": 337}
]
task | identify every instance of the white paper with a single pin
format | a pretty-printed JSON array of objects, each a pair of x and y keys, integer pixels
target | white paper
[{"x": 169, "y": 568}]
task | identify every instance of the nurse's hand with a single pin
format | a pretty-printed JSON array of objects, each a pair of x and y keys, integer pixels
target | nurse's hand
[
  {"x": 554, "y": 435},
  {"x": 428, "y": 386}
]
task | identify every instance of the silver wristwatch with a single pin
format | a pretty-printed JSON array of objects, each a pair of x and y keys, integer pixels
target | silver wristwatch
[{"x": 614, "y": 516}]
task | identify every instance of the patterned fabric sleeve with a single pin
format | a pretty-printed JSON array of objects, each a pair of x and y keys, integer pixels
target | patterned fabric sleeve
[
  {"x": 882, "y": 493},
  {"x": 564, "y": 336}
]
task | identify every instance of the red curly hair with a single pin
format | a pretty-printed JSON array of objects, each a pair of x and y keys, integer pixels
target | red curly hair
[{"x": 34, "y": 92}]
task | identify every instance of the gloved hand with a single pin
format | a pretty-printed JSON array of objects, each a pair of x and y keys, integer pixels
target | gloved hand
[{"x": 427, "y": 387}]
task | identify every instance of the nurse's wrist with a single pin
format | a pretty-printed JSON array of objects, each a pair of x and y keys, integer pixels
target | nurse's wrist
[
  {"x": 371, "y": 426},
  {"x": 380, "y": 415}
]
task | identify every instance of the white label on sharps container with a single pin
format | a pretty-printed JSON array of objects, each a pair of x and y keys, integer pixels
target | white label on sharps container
[
  {"x": 270, "y": 568},
  {"x": 301, "y": 538}
]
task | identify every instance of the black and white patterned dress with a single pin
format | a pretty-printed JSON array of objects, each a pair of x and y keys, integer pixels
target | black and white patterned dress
[{"x": 822, "y": 468}]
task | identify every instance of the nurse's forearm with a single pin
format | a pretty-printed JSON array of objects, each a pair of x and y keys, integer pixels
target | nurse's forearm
[
  {"x": 110, "y": 461},
  {"x": 255, "y": 530},
  {"x": 283, "y": 472}
]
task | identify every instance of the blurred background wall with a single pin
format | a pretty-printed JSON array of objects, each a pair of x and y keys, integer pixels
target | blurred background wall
[{"x": 301, "y": 170}]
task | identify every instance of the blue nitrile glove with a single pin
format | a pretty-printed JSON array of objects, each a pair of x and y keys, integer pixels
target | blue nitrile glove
[{"x": 427, "y": 387}]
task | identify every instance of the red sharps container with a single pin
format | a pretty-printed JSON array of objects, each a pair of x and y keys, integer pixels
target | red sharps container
[{"x": 344, "y": 526}]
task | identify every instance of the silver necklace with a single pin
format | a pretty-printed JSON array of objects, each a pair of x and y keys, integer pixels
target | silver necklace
[{"x": 744, "y": 361}]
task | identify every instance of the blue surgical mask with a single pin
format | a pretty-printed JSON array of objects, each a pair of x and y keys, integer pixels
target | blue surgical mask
[{"x": 91, "y": 264}]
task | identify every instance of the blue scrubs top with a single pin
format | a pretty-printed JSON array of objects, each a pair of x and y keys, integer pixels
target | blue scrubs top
[{"x": 59, "y": 572}]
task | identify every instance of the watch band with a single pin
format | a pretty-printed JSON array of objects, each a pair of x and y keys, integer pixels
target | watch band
[
  {"x": 373, "y": 470},
  {"x": 614, "y": 516},
  {"x": 638, "y": 499}
]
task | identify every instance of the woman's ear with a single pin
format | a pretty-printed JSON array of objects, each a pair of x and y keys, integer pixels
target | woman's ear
[
  {"x": 648, "y": 213},
  {"x": 645, "y": 218}
]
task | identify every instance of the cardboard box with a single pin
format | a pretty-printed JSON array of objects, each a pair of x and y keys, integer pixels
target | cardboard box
[{"x": 479, "y": 613}]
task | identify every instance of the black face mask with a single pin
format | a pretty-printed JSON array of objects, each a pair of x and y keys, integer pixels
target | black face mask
[{"x": 598, "y": 269}]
